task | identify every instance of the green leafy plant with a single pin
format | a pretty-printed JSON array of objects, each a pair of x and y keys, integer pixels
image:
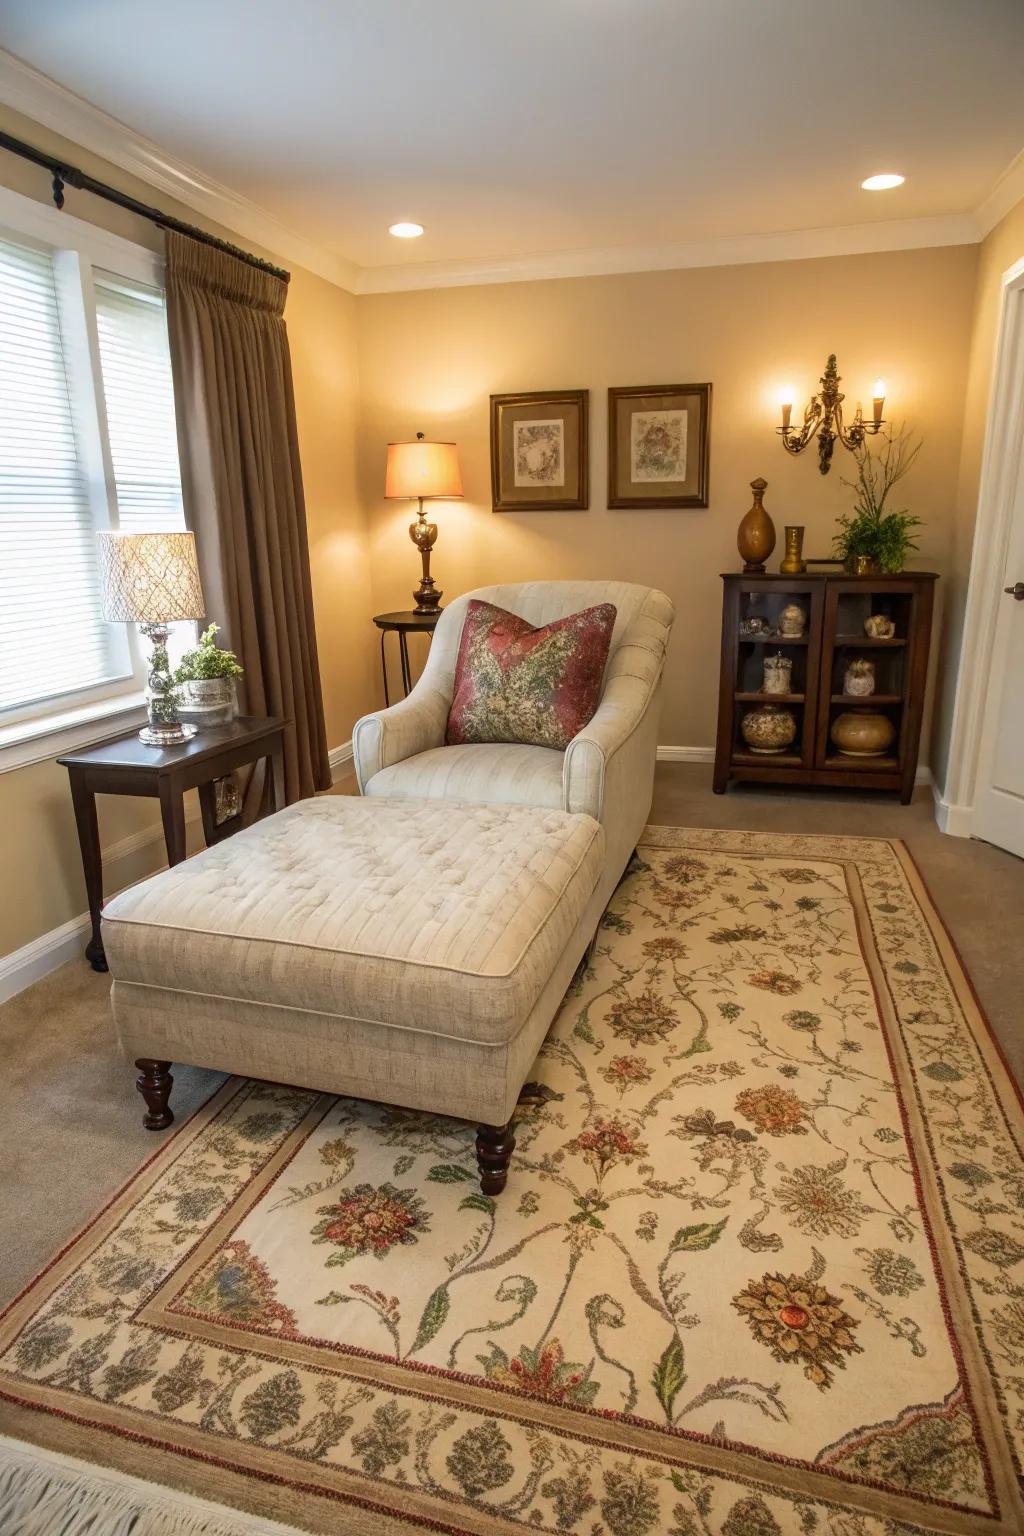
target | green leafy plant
[
  {"x": 871, "y": 531},
  {"x": 207, "y": 660}
]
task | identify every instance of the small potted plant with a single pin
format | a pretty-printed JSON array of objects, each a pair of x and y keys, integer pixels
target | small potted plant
[
  {"x": 205, "y": 678},
  {"x": 873, "y": 541}
]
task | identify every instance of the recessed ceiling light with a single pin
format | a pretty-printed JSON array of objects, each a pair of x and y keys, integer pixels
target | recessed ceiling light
[
  {"x": 883, "y": 182},
  {"x": 410, "y": 231}
]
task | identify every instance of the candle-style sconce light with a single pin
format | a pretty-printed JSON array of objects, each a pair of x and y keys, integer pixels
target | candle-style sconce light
[{"x": 823, "y": 418}]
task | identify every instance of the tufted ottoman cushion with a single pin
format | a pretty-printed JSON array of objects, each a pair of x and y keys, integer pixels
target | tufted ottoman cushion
[{"x": 402, "y": 950}]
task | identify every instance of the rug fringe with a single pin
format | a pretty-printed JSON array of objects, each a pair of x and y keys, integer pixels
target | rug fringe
[{"x": 43, "y": 1493}]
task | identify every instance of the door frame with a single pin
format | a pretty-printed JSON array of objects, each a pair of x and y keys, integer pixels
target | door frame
[{"x": 1000, "y": 469}]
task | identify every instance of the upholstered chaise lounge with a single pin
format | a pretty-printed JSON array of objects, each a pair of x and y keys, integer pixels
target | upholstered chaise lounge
[{"x": 402, "y": 947}]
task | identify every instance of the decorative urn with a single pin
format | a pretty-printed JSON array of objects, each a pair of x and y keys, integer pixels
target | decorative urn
[
  {"x": 755, "y": 537},
  {"x": 778, "y": 674},
  {"x": 863, "y": 733},
  {"x": 768, "y": 729},
  {"x": 859, "y": 678},
  {"x": 879, "y": 626}
]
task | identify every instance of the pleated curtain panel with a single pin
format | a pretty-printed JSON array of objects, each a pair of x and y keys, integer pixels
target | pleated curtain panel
[{"x": 242, "y": 487}]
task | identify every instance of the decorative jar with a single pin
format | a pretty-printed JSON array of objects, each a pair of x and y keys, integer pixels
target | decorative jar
[
  {"x": 863, "y": 733},
  {"x": 768, "y": 729},
  {"x": 859, "y": 678},
  {"x": 879, "y": 627},
  {"x": 792, "y": 621},
  {"x": 778, "y": 674}
]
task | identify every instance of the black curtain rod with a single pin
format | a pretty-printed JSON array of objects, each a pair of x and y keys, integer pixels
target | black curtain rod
[{"x": 73, "y": 177}]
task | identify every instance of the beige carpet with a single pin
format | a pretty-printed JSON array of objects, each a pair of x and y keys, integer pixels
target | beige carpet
[{"x": 754, "y": 1271}]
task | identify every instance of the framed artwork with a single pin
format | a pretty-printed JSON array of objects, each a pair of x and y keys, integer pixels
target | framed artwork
[
  {"x": 658, "y": 440},
  {"x": 539, "y": 452}
]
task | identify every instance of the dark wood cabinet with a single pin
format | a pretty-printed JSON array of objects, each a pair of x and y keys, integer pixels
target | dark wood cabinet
[{"x": 836, "y": 607}]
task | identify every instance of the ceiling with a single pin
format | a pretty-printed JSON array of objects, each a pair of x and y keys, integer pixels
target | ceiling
[{"x": 544, "y": 126}]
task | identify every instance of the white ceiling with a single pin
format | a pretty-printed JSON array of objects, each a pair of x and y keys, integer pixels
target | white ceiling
[{"x": 509, "y": 127}]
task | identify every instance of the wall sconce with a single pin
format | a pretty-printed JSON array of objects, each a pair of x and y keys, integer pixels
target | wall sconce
[{"x": 824, "y": 416}]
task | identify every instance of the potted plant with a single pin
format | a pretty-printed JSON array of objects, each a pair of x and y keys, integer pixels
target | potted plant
[
  {"x": 872, "y": 540},
  {"x": 205, "y": 678}
]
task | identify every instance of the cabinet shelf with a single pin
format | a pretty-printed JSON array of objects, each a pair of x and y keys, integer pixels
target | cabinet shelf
[
  {"x": 768, "y": 759},
  {"x": 865, "y": 698},
  {"x": 868, "y": 764},
  {"x": 769, "y": 698},
  {"x": 774, "y": 640},
  {"x": 846, "y": 641}
]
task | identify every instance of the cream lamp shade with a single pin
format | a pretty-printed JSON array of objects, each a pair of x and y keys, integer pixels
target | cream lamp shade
[
  {"x": 150, "y": 578},
  {"x": 422, "y": 469}
]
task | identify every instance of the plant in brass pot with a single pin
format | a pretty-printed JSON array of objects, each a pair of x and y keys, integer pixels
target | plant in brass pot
[
  {"x": 205, "y": 677},
  {"x": 873, "y": 539}
]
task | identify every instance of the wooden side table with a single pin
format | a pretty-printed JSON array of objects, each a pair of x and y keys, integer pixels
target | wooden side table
[
  {"x": 128, "y": 767},
  {"x": 404, "y": 625}
]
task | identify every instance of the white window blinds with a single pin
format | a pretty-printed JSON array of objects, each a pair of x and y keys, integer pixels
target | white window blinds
[
  {"x": 52, "y": 639},
  {"x": 132, "y": 325}
]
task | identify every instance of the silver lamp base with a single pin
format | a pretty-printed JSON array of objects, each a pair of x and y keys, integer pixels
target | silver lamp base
[{"x": 167, "y": 735}]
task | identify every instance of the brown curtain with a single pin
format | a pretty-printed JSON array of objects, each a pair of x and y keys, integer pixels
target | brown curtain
[{"x": 242, "y": 485}]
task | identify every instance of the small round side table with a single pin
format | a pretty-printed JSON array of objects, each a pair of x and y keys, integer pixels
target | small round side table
[{"x": 404, "y": 625}]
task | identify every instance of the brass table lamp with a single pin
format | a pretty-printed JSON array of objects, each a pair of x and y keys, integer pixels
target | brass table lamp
[{"x": 423, "y": 471}]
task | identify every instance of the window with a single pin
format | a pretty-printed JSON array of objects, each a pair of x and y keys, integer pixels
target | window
[{"x": 87, "y": 441}]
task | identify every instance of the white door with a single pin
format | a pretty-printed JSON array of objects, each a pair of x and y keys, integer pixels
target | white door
[{"x": 999, "y": 800}]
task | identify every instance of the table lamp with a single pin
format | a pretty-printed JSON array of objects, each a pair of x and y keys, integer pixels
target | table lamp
[
  {"x": 152, "y": 579},
  {"x": 423, "y": 471}
]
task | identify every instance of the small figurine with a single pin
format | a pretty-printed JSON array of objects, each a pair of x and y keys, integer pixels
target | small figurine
[
  {"x": 879, "y": 627},
  {"x": 792, "y": 621},
  {"x": 756, "y": 624}
]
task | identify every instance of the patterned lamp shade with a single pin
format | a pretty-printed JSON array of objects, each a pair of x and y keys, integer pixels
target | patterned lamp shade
[
  {"x": 150, "y": 578},
  {"x": 422, "y": 469}
]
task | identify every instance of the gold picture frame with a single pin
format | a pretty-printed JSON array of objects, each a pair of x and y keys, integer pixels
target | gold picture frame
[
  {"x": 659, "y": 445},
  {"x": 540, "y": 451}
]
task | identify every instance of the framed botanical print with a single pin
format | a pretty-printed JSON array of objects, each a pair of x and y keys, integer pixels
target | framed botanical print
[
  {"x": 539, "y": 452},
  {"x": 658, "y": 440}
]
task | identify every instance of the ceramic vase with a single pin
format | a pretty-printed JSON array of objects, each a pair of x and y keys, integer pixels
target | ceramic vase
[
  {"x": 768, "y": 729},
  {"x": 755, "y": 537},
  {"x": 778, "y": 674},
  {"x": 863, "y": 733}
]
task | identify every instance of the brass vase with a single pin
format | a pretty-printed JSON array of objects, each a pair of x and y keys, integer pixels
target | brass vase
[
  {"x": 793, "y": 563},
  {"x": 755, "y": 537}
]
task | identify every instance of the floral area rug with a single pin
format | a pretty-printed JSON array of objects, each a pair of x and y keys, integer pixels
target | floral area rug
[{"x": 758, "y": 1270}]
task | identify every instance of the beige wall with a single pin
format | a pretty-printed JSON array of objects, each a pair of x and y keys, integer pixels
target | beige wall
[
  {"x": 429, "y": 360},
  {"x": 997, "y": 253},
  {"x": 42, "y": 885}
]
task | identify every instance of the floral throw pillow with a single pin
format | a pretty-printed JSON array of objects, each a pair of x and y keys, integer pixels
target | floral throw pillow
[{"x": 538, "y": 687}]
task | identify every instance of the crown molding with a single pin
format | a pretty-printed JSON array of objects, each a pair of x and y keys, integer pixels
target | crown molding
[
  {"x": 42, "y": 99},
  {"x": 790, "y": 245},
  {"x": 1006, "y": 194}
]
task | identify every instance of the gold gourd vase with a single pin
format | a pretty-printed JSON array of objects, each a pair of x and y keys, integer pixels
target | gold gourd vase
[{"x": 755, "y": 537}]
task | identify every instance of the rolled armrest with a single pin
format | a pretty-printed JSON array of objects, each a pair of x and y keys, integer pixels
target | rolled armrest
[
  {"x": 390, "y": 735},
  {"x": 616, "y": 723}
]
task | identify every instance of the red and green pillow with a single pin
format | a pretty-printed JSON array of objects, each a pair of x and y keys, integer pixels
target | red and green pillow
[{"x": 537, "y": 687}]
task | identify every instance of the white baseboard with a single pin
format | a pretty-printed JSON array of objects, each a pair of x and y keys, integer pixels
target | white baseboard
[
  {"x": 340, "y": 759},
  {"x": 39, "y": 957},
  {"x": 686, "y": 754},
  {"x": 953, "y": 819}
]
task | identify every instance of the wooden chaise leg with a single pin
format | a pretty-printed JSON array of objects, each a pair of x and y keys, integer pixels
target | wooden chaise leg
[
  {"x": 494, "y": 1147},
  {"x": 154, "y": 1082}
]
